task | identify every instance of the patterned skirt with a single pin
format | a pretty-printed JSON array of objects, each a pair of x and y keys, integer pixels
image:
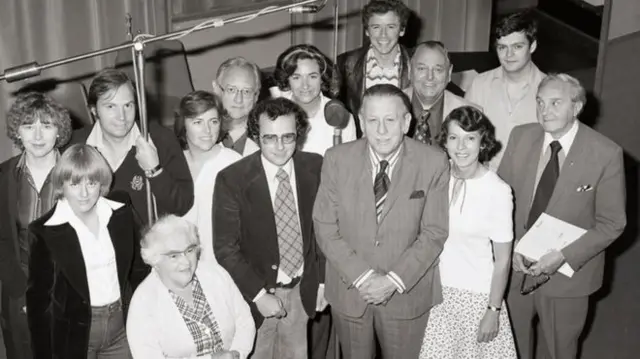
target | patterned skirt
[{"x": 453, "y": 325}]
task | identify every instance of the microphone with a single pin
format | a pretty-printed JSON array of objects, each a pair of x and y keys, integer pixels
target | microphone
[
  {"x": 307, "y": 9},
  {"x": 337, "y": 116}
]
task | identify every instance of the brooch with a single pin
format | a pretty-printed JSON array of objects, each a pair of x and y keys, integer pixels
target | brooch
[{"x": 137, "y": 182}]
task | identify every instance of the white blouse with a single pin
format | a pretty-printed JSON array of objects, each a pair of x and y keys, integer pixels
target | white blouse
[{"x": 156, "y": 329}]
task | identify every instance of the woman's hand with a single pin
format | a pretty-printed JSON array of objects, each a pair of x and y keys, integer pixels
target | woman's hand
[{"x": 489, "y": 326}]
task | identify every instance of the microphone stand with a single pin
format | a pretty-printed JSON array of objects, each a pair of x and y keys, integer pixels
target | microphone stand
[{"x": 137, "y": 45}]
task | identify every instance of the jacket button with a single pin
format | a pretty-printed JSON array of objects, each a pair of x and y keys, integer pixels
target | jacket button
[
  {"x": 377, "y": 243},
  {"x": 274, "y": 267},
  {"x": 272, "y": 290}
]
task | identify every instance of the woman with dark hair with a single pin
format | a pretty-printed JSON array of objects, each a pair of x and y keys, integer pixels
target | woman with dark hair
[
  {"x": 84, "y": 263},
  {"x": 307, "y": 77},
  {"x": 472, "y": 321},
  {"x": 39, "y": 127},
  {"x": 197, "y": 126}
]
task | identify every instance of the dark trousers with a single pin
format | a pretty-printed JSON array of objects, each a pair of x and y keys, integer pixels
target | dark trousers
[
  {"x": 15, "y": 328},
  {"x": 107, "y": 337},
  {"x": 322, "y": 343}
]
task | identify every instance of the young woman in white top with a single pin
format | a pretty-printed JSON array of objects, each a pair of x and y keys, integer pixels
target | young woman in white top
[
  {"x": 197, "y": 125},
  {"x": 307, "y": 77},
  {"x": 472, "y": 321}
]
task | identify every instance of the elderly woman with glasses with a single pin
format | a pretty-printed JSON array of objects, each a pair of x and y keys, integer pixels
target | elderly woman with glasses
[
  {"x": 84, "y": 263},
  {"x": 198, "y": 128},
  {"x": 186, "y": 308}
]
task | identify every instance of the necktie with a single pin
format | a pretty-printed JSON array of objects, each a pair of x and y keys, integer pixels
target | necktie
[
  {"x": 381, "y": 187},
  {"x": 289, "y": 238},
  {"x": 546, "y": 184},
  {"x": 423, "y": 133}
]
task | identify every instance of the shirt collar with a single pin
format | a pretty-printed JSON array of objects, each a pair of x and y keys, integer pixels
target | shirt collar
[
  {"x": 396, "y": 61},
  {"x": 271, "y": 170},
  {"x": 565, "y": 141},
  {"x": 96, "y": 137},
  {"x": 22, "y": 161},
  {"x": 534, "y": 76},
  {"x": 392, "y": 159},
  {"x": 64, "y": 214}
]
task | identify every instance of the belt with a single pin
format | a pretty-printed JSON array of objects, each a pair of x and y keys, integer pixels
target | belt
[
  {"x": 109, "y": 308},
  {"x": 289, "y": 285}
]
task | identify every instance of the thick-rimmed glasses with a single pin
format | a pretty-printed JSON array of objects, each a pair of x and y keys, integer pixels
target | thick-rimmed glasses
[{"x": 287, "y": 139}]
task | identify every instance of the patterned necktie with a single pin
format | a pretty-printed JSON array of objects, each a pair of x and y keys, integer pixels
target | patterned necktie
[
  {"x": 423, "y": 133},
  {"x": 546, "y": 184},
  {"x": 289, "y": 238},
  {"x": 381, "y": 187}
]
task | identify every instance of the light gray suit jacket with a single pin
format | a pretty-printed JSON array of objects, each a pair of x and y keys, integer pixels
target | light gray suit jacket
[
  {"x": 593, "y": 162},
  {"x": 409, "y": 238},
  {"x": 451, "y": 101}
]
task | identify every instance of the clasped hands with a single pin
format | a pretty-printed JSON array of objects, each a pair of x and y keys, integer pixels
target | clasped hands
[
  {"x": 377, "y": 289},
  {"x": 548, "y": 263}
]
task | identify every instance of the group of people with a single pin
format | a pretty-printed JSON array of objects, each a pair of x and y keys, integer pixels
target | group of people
[{"x": 271, "y": 240}]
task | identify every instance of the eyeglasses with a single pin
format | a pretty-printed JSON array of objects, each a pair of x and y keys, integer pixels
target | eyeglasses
[
  {"x": 287, "y": 139},
  {"x": 191, "y": 250},
  {"x": 232, "y": 91}
]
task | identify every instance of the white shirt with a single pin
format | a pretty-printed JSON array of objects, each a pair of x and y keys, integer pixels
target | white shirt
[
  {"x": 545, "y": 152},
  {"x": 96, "y": 140},
  {"x": 201, "y": 212},
  {"x": 480, "y": 215},
  {"x": 489, "y": 91},
  {"x": 156, "y": 329},
  {"x": 98, "y": 253}
]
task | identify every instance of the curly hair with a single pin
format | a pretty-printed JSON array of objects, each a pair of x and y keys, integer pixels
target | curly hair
[
  {"x": 287, "y": 64},
  {"x": 381, "y": 7},
  {"x": 31, "y": 107},
  {"x": 193, "y": 105},
  {"x": 471, "y": 119},
  {"x": 274, "y": 108},
  {"x": 518, "y": 22}
]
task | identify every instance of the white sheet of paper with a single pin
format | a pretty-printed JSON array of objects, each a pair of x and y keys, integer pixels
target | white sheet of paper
[{"x": 546, "y": 234}]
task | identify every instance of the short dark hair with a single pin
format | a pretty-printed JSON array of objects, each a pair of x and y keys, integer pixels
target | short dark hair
[
  {"x": 193, "y": 105},
  {"x": 434, "y": 45},
  {"x": 30, "y": 107},
  {"x": 105, "y": 81},
  {"x": 273, "y": 108},
  {"x": 381, "y": 7},
  {"x": 287, "y": 64},
  {"x": 518, "y": 22},
  {"x": 471, "y": 119},
  {"x": 387, "y": 90}
]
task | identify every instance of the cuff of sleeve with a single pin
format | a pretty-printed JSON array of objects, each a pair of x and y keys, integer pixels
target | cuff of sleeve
[
  {"x": 321, "y": 285},
  {"x": 260, "y": 294},
  {"x": 362, "y": 278},
  {"x": 397, "y": 281}
]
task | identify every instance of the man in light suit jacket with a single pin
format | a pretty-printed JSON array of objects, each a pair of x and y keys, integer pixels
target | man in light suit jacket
[
  {"x": 381, "y": 220},
  {"x": 563, "y": 168},
  {"x": 263, "y": 231},
  {"x": 431, "y": 103}
]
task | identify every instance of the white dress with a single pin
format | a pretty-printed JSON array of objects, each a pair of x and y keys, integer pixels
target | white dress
[
  {"x": 479, "y": 215},
  {"x": 200, "y": 213}
]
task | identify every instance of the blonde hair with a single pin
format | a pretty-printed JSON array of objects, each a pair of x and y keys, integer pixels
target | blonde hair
[
  {"x": 165, "y": 229},
  {"x": 79, "y": 162}
]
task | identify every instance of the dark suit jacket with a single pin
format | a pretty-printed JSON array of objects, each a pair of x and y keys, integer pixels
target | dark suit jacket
[
  {"x": 245, "y": 237},
  {"x": 352, "y": 66},
  {"x": 14, "y": 280},
  {"x": 58, "y": 303},
  {"x": 172, "y": 189},
  {"x": 593, "y": 160},
  {"x": 409, "y": 238}
]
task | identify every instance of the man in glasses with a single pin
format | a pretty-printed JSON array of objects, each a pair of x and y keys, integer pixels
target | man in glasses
[
  {"x": 238, "y": 84},
  {"x": 264, "y": 232}
]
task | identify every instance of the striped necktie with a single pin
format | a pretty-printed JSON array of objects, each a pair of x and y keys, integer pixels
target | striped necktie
[{"x": 381, "y": 187}]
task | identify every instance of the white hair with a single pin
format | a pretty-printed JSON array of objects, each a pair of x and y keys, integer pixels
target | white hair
[
  {"x": 166, "y": 228},
  {"x": 239, "y": 62}
]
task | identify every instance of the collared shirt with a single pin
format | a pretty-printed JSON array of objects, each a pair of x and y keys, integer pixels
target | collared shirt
[
  {"x": 436, "y": 112},
  {"x": 237, "y": 145},
  {"x": 98, "y": 253},
  {"x": 201, "y": 323},
  {"x": 32, "y": 203},
  {"x": 376, "y": 74},
  {"x": 545, "y": 152},
  {"x": 96, "y": 139},
  {"x": 489, "y": 91}
]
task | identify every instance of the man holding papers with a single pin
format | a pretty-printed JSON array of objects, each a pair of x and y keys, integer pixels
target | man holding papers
[{"x": 572, "y": 173}]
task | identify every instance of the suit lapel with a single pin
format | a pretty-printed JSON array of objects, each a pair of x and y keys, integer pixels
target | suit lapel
[
  {"x": 306, "y": 187},
  {"x": 260, "y": 199},
  {"x": 11, "y": 188},
  {"x": 120, "y": 228},
  {"x": 63, "y": 242},
  {"x": 569, "y": 172},
  {"x": 402, "y": 181},
  {"x": 531, "y": 160},
  {"x": 364, "y": 199}
]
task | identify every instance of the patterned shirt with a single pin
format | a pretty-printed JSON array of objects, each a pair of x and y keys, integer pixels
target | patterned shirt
[
  {"x": 376, "y": 74},
  {"x": 199, "y": 320}
]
